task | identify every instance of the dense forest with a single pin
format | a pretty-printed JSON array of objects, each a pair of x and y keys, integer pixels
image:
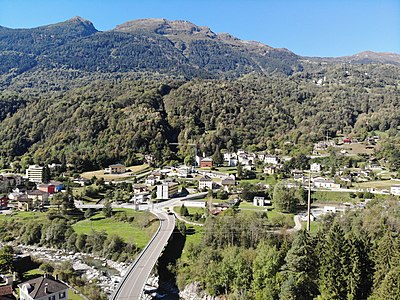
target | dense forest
[
  {"x": 353, "y": 256},
  {"x": 73, "y": 95},
  {"x": 92, "y": 123}
]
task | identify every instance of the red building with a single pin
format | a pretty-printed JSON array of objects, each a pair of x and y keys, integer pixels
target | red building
[
  {"x": 4, "y": 202},
  {"x": 206, "y": 163},
  {"x": 48, "y": 188}
]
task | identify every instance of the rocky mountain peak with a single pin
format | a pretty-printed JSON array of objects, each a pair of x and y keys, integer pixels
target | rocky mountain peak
[{"x": 166, "y": 27}]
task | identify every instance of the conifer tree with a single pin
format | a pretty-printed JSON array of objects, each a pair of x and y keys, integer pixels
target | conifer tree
[
  {"x": 266, "y": 271},
  {"x": 360, "y": 269},
  {"x": 389, "y": 288},
  {"x": 334, "y": 265},
  {"x": 300, "y": 269},
  {"x": 386, "y": 257},
  {"x": 217, "y": 157},
  {"x": 46, "y": 176}
]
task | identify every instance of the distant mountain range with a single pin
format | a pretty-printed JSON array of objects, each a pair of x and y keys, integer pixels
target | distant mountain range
[{"x": 174, "y": 47}]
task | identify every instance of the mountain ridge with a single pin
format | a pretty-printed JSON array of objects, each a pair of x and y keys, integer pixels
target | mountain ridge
[
  {"x": 185, "y": 25},
  {"x": 178, "y": 47}
]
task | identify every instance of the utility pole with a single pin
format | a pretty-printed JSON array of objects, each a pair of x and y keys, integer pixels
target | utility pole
[{"x": 309, "y": 203}]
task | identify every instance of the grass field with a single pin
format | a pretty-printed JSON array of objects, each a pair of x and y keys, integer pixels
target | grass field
[
  {"x": 280, "y": 218},
  {"x": 100, "y": 173},
  {"x": 249, "y": 206},
  {"x": 226, "y": 170},
  {"x": 130, "y": 233},
  {"x": 32, "y": 274},
  {"x": 356, "y": 148},
  {"x": 25, "y": 216},
  {"x": 194, "y": 235},
  {"x": 192, "y": 210},
  {"x": 379, "y": 184},
  {"x": 327, "y": 196}
]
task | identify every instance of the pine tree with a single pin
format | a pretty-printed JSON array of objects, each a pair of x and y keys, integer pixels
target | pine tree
[
  {"x": 300, "y": 269},
  {"x": 266, "y": 271},
  {"x": 184, "y": 211},
  {"x": 217, "y": 157},
  {"x": 107, "y": 209},
  {"x": 334, "y": 265},
  {"x": 386, "y": 257},
  {"x": 360, "y": 269},
  {"x": 46, "y": 176},
  {"x": 389, "y": 288}
]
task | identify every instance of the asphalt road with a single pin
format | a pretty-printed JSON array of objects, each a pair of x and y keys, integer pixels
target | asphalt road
[{"x": 131, "y": 287}]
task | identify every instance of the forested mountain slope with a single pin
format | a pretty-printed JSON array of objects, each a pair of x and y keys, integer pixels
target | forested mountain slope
[{"x": 70, "y": 93}]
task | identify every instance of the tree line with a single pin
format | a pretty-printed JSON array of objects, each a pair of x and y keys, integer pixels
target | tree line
[{"x": 354, "y": 256}]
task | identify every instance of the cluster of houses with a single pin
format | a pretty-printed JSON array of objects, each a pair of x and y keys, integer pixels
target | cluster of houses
[
  {"x": 40, "y": 288},
  {"x": 247, "y": 159},
  {"x": 23, "y": 197},
  {"x": 206, "y": 182}
]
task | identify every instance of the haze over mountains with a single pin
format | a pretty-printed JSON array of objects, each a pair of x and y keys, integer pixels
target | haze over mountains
[{"x": 175, "y": 47}]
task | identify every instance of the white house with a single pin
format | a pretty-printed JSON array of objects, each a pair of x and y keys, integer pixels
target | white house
[
  {"x": 43, "y": 288},
  {"x": 395, "y": 190},
  {"x": 258, "y": 201},
  {"x": 229, "y": 156},
  {"x": 271, "y": 159},
  {"x": 205, "y": 183},
  {"x": 328, "y": 209},
  {"x": 325, "y": 183},
  {"x": 152, "y": 180},
  {"x": 315, "y": 167}
]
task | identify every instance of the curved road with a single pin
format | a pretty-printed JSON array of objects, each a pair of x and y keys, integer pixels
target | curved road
[{"x": 131, "y": 287}]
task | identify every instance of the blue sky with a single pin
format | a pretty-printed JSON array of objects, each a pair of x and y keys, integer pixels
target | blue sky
[{"x": 306, "y": 27}]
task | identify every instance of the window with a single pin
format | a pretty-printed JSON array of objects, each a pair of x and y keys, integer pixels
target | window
[
  {"x": 52, "y": 297},
  {"x": 61, "y": 295}
]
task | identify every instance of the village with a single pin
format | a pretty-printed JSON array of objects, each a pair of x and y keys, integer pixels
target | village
[
  {"x": 218, "y": 187},
  {"x": 29, "y": 191}
]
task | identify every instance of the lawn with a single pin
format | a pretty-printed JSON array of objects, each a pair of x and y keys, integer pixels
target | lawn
[
  {"x": 280, "y": 218},
  {"x": 252, "y": 181},
  {"x": 249, "y": 206},
  {"x": 129, "y": 232},
  {"x": 32, "y": 274},
  {"x": 194, "y": 235},
  {"x": 226, "y": 170},
  {"x": 192, "y": 210},
  {"x": 100, "y": 173},
  {"x": 328, "y": 196}
]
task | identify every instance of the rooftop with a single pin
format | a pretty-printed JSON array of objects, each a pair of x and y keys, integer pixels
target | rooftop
[{"x": 37, "y": 287}]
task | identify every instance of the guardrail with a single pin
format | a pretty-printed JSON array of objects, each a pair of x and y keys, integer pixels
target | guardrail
[{"x": 115, "y": 294}]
